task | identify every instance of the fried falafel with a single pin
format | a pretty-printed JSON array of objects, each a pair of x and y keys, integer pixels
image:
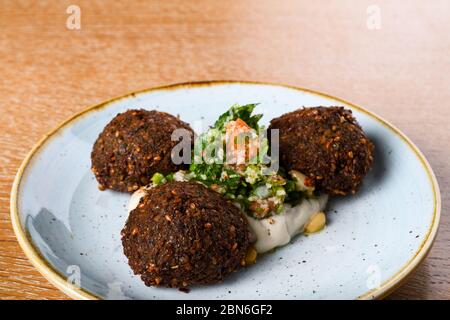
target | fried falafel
[
  {"x": 327, "y": 145},
  {"x": 183, "y": 234},
  {"x": 132, "y": 147}
]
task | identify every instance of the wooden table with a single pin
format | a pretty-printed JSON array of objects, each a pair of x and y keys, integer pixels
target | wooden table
[{"x": 400, "y": 70}]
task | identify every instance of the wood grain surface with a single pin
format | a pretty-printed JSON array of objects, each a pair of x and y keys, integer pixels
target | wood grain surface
[{"x": 400, "y": 71}]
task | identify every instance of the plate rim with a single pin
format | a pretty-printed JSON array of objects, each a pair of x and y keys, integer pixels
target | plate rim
[{"x": 59, "y": 280}]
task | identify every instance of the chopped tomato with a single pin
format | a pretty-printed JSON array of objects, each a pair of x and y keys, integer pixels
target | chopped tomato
[{"x": 242, "y": 142}]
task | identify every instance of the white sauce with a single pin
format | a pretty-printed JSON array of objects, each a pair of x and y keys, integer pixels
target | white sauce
[
  {"x": 279, "y": 229},
  {"x": 271, "y": 232},
  {"x": 141, "y": 192},
  {"x": 136, "y": 197}
]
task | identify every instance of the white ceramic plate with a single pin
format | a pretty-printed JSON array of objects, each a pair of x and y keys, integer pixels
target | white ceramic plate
[{"x": 71, "y": 230}]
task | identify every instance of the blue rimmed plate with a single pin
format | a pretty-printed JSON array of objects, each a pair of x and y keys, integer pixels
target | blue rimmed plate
[{"x": 70, "y": 230}]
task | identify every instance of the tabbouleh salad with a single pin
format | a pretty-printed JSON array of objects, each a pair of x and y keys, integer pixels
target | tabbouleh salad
[{"x": 241, "y": 171}]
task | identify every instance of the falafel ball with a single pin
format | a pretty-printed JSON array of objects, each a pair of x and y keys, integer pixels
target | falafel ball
[
  {"x": 184, "y": 234},
  {"x": 132, "y": 147},
  {"x": 327, "y": 145}
]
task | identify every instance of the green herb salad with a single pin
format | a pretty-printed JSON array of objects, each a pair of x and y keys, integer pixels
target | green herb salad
[{"x": 231, "y": 157}]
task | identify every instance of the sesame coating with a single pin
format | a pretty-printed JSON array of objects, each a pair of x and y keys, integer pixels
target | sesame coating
[
  {"x": 184, "y": 234},
  {"x": 132, "y": 147},
  {"x": 327, "y": 145}
]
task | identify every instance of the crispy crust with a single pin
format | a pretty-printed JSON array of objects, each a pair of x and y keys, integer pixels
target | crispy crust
[
  {"x": 327, "y": 145},
  {"x": 132, "y": 147},
  {"x": 183, "y": 234}
]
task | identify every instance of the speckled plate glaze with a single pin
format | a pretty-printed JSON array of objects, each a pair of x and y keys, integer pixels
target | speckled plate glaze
[{"x": 373, "y": 240}]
